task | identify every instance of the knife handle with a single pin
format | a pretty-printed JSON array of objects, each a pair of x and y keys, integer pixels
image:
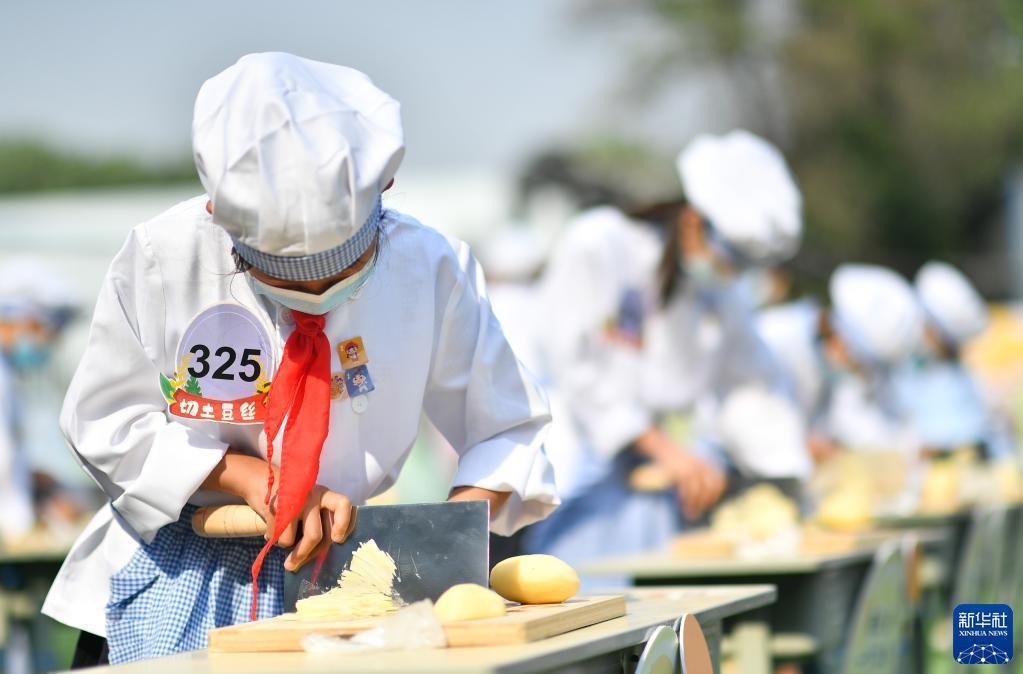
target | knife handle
[{"x": 227, "y": 521}]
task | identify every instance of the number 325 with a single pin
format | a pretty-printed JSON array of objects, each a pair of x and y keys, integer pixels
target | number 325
[{"x": 249, "y": 365}]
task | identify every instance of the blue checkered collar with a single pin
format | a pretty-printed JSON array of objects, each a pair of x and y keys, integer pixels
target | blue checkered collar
[{"x": 317, "y": 266}]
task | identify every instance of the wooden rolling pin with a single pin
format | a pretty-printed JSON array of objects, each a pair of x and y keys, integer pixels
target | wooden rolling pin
[{"x": 228, "y": 521}]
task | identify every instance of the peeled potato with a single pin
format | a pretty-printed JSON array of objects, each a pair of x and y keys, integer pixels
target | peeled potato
[
  {"x": 534, "y": 579},
  {"x": 468, "y": 601},
  {"x": 846, "y": 510}
]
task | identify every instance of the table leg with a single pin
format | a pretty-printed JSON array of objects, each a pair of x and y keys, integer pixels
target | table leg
[
  {"x": 713, "y": 633},
  {"x": 753, "y": 646}
]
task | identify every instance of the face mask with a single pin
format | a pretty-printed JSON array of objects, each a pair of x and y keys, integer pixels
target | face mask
[
  {"x": 704, "y": 273},
  {"x": 28, "y": 354},
  {"x": 325, "y": 302},
  {"x": 760, "y": 286}
]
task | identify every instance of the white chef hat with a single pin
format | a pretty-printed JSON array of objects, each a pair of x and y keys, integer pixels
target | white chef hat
[
  {"x": 294, "y": 155},
  {"x": 875, "y": 312},
  {"x": 950, "y": 302},
  {"x": 741, "y": 184},
  {"x": 514, "y": 253},
  {"x": 29, "y": 288}
]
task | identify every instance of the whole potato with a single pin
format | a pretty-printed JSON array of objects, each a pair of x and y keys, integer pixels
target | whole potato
[
  {"x": 468, "y": 601},
  {"x": 534, "y": 579}
]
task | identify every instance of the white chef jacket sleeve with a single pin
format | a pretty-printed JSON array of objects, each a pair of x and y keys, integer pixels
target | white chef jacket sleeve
[
  {"x": 747, "y": 357},
  {"x": 114, "y": 415},
  {"x": 600, "y": 383},
  {"x": 751, "y": 381},
  {"x": 487, "y": 405}
]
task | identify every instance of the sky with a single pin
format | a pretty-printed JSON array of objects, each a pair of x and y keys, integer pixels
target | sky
[{"x": 482, "y": 84}]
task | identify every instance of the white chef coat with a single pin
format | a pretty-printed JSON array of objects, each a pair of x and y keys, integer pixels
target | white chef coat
[
  {"x": 433, "y": 345},
  {"x": 694, "y": 351},
  {"x": 858, "y": 411},
  {"x": 790, "y": 331},
  {"x": 16, "y": 512},
  {"x": 518, "y": 307}
]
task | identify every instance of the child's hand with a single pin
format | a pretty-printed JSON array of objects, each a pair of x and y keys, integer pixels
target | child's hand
[{"x": 324, "y": 519}]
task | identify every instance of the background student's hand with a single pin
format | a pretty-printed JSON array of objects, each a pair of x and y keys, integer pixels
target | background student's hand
[
  {"x": 700, "y": 485},
  {"x": 822, "y": 448}
]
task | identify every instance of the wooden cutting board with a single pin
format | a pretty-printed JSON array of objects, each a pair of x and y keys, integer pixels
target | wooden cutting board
[{"x": 521, "y": 625}]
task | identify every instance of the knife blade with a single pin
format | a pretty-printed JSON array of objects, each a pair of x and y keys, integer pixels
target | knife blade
[{"x": 434, "y": 546}]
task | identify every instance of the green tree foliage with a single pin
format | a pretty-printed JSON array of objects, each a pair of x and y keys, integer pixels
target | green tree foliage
[
  {"x": 27, "y": 165},
  {"x": 192, "y": 386},
  {"x": 902, "y": 119}
]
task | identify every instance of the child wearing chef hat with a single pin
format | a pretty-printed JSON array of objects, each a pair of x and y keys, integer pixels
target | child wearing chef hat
[
  {"x": 251, "y": 287},
  {"x": 842, "y": 360},
  {"x": 37, "y": 304},
  {"x": 643, "y": 317},
  {"x": 941, "y": 396}
]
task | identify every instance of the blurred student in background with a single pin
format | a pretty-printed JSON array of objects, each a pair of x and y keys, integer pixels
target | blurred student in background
[
  {"x": 39, "y": 479},
  {"x": 512, "y": 260},
  {"x": 936, "y": 389},
  {"x": 641, "y": 315},
  {"x": 842, "y": 360}
]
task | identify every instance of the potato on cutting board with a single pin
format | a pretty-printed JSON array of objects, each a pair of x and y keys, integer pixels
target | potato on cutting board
[
  {"x": 468, "y": 601},
  {"x": 534, "y": 579}
]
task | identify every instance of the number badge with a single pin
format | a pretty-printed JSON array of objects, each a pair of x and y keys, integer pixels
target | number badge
[{"x": 225, "y": 363}]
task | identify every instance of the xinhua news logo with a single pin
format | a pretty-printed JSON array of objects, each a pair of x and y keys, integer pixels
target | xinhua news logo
[{"x": 982, "y": 634}]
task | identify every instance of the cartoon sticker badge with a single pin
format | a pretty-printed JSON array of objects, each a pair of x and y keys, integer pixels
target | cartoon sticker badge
[
  {"x": 358, "y": 382},
  {"x": 337, "y": 386},
  {"x": 352, "y": 353},
  {"x": 225, "y": 362},
  {"x": 354, "y": 360}
]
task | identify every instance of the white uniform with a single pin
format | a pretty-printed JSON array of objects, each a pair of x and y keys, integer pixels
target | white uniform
[
  {"x": 602, "y": 285},
  {"x": 851, "y": 409},
  {"x": 877, "y": 318},
  {"x": 621, "y": 357},
  {"x": 433, "y": 345},
  {"x": 619, "y": 362},
  {"x": 945, "y": 403},
  {"x": 16, "y": 516}
]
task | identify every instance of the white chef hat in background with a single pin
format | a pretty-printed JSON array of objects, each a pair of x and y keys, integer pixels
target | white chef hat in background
[
  {"x": 950, "y": 302},
  {"x": 741, "y": 184},
  {"x": 294, "y": 155},
  {"x": 876, "y": 313},
  {"x": 30, "y": 288}
]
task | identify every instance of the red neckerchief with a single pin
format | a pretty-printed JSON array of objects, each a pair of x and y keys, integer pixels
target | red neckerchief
[{"x": 300, "y": 393}]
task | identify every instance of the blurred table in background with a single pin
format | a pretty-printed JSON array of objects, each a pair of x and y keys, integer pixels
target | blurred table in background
[
  {"x": 816, "y": 592},
  {"x": 31, "y": 642}
]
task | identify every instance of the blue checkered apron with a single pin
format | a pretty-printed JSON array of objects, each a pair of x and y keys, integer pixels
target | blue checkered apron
[{"x": 180, "y": 586}]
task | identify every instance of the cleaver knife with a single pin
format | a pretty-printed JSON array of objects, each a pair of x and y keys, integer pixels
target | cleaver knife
[{"x": 434, "y": 546}]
